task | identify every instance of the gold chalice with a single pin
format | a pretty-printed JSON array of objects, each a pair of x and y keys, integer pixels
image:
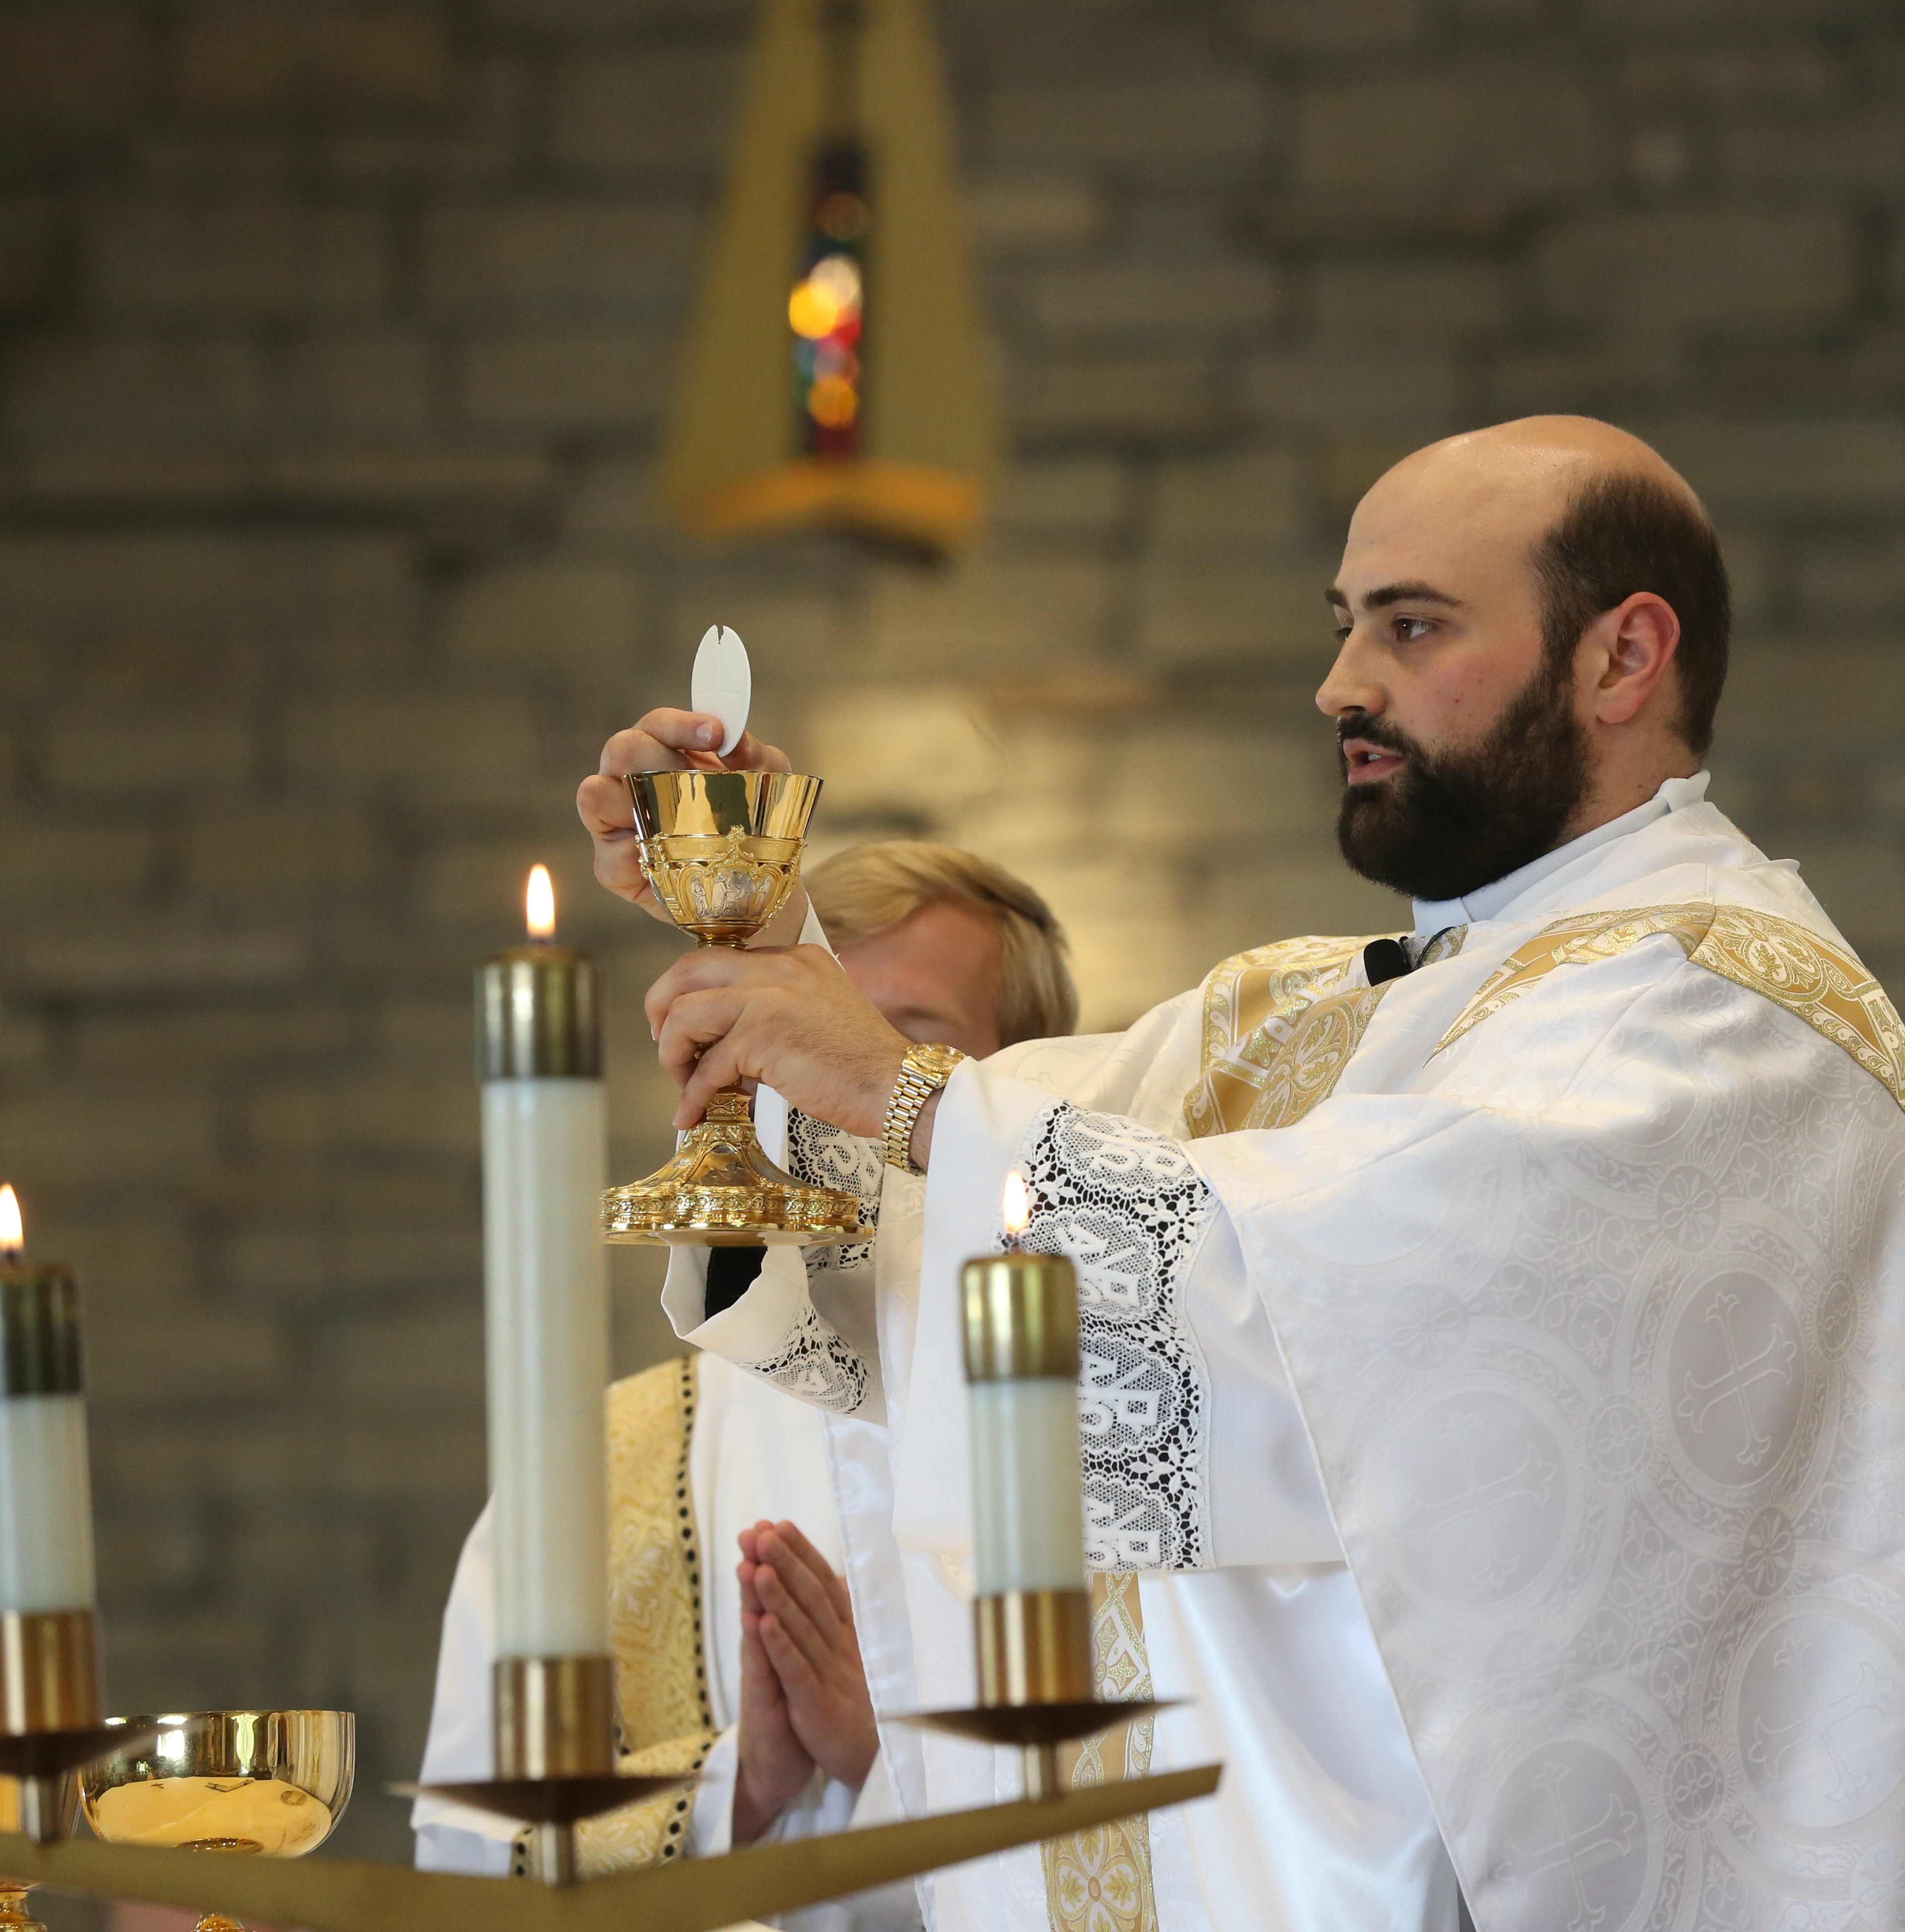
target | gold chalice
[
  {"x": 270, "y": 1784},
  {"x": 722, "y": 851}
]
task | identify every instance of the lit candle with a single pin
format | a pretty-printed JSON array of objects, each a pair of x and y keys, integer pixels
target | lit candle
[
  {"x": 1031, "y": 1612},
  {"x": 45, "y": 1497},
  {"x": 544, "y": 1167}
]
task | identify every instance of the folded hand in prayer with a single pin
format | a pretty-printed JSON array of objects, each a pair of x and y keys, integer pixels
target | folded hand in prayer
[{"x": 804, "y": 1699}]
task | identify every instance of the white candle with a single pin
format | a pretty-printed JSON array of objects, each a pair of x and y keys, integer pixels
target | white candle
[
  {"x": 45, "y": 1493},
  {"x": 1028, "y": 1530},
  {"x": 1031, "y": 1613},
  {"x": 545, "y": 1280}
]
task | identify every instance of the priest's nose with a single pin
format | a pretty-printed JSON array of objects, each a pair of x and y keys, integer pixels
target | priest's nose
[{"x": 1350, "y": 686}]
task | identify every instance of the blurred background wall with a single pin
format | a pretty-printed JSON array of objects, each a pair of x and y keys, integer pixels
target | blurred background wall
[{"x": 334, "y": 339}]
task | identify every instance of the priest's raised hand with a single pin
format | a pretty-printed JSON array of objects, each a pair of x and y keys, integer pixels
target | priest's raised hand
[
  {"x": 666, "y": 740},
  {"x": 804, "y": 1701}
]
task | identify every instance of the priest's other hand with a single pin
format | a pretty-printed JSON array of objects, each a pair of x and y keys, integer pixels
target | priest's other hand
[
  {"x": 666, "y": 741},
  {"x": 796, "y": 1616},
  {"x": 788, "y": 1017}
]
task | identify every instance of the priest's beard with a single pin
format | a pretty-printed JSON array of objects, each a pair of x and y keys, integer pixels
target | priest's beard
[{"x": 1454, "y": 820}]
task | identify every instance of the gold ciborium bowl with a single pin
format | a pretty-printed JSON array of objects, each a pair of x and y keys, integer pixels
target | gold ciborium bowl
[
  {"x": 269, "y": 1783},
  {"x": 722, "y": 851}
]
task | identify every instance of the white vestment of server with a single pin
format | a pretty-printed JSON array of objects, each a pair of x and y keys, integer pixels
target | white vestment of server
[
  {"x": 753, "y": 1453},
  {"x": 1512, "y": 1441}
]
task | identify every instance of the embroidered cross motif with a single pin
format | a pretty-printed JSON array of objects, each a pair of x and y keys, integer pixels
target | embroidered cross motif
[
  {"x": 1735, "y": 1383},
  {"x": 1576, "y": 1850},
  {"x": 1478, "y": 1499},
  {"x": 1875, "y": 1695}
]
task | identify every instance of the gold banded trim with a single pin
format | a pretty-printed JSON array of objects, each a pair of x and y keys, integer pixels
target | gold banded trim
[
  {"x": 1819, "y": 982},
  {"x": 1100, "y": 1880},
  {"x": 657, "y": 1622},
  {"x": 49, "y": 1671},
  {"x": 1279, "y": 1026},
  {"x": 1248, "y": 1003},
  {"x": 1034, "y": 1646},
  {"x": 555, "y": 1716}
]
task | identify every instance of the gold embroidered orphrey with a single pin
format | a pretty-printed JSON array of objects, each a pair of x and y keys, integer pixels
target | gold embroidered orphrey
[
  {"x": 1279, "y": 1027},
  {"x": 1815, "y": 981},
  {"x": 1100, "y": 1880},
  {"x": 656, "y": 1618}
]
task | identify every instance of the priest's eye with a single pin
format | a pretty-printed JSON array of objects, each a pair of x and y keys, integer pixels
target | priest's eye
[
  {"x": 1408, "y": 630},
  {"x": 1341, "y": 632}
]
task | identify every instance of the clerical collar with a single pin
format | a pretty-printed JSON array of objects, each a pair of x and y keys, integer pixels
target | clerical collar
[{"x": 1490, "y": 901}]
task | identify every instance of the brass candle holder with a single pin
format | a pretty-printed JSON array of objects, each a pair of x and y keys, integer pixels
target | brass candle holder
[
  {"x": 49, "y": 1700},
  {"x": 554, "y": 1733},
  {"x": 722, "y": 851},
  {"x": 1032, "y": 1638}
]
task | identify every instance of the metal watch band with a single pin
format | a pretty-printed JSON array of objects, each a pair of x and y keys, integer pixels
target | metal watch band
[{"x": 924, "y": 1071}]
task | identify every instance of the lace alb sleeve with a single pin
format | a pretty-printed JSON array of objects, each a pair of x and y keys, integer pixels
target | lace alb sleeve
[
  {"x": 822, "y": 1353},
  {"x": 814, "y": 1363},
  {"x": 1130, "y": 1209}
]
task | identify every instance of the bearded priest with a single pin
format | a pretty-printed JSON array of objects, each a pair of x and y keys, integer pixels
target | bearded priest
[{"x": 1494, "y": 1332}]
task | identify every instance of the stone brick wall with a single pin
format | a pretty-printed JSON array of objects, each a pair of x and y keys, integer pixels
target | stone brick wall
[{"x": 333, "y": 341}]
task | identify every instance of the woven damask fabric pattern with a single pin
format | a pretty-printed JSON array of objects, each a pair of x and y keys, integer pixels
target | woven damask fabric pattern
[
  {"x": 1280, "y": 1025},
  {"x": 1610, "y": 1401},
  {"x": 1100, "y": 1880},
  {"x": 664, "y": 1718},
  {"x": 1250, "y": 1003},
  {"x": 1825, "y": 985},
  {"x": 1129, "y": 1208}
]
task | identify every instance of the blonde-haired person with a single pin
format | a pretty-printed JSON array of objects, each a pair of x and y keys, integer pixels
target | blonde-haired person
[
  {"x": 751, "y": 1676},
  {"x": 950, "y": 947}
]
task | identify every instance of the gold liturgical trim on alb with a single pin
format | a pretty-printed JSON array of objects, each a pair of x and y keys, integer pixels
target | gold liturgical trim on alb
[
  {"x": 1279, "y": 1027},
  {"x": 655, "y": 1617},
  {"x": 1812, "y": 979},
  {"x": 1100, "y": 1880}
]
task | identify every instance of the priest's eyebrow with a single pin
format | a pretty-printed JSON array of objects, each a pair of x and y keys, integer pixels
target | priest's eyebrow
[{"x": 1410, "y": 591}]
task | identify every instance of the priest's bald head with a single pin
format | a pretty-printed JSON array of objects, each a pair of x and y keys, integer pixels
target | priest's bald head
[{"x": 1534, "y": 622}]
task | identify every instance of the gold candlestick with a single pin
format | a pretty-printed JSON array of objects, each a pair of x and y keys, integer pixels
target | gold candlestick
[
  {"x": 1032, "y": 1611},
  {"x": 554, "y": 1733},
  {"x": 722, "y": 851},
  {"x": 49, "y": 1702}
]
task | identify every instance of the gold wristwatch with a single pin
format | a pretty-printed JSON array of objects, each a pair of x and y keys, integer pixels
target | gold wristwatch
[{"x": 924, "y": 1071}]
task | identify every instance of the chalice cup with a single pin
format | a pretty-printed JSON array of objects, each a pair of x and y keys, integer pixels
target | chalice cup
[
  {"x": 265, "y": 1783},
  {"x": 722, "y": 851}
]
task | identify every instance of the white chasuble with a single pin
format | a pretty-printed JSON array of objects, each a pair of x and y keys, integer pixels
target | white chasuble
[{"x": 1559, "y": 1286}]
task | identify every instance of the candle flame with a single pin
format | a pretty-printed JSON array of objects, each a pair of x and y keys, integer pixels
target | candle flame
[
  {"x": 13, "y": 1230},
  {"x": 1015, "y": 1208},
  {"x": 539, "y": 903}
]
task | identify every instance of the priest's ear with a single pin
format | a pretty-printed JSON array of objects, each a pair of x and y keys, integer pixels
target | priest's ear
[{"x": 1625, "y": 655}]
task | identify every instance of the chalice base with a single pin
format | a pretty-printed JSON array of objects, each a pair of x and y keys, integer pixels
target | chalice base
[{"x": 721, "y": 1190}]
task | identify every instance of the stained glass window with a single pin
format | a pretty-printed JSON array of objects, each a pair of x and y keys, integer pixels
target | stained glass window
[{"x": 827, "y": 311}]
